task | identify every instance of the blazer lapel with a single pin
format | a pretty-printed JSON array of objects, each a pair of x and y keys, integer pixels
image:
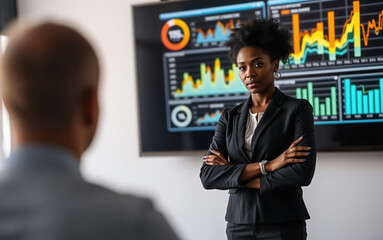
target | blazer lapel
[
  {"x": 270, "y": 113},
  {"x": 242, "y": 115}
]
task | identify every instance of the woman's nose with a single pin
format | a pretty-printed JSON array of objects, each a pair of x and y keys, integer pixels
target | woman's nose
[{"x": 250, "y": 72}]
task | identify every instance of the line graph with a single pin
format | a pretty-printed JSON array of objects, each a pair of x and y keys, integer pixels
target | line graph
[
  {"x": 333, "y": 33},
  {"x": 210, "y": 117},
  {"x": 372, "y": 25},
  {"x": 211, "y": 81},
  {"x": 202, "y": 74},
  {"x": 200, "y": 81},
  {"x": 326, "y": 43},
  {"x": 220, "y": 32},
  {"x": 199, "y": 85},
  {"x": 329, "y": 43},
  {"x": 209, "y": 27}
]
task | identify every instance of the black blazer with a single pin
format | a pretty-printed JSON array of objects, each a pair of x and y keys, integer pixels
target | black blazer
[{"x": 280, "y": 197}]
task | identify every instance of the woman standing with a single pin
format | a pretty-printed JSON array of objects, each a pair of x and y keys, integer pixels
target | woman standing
[{"x": 263, "y": 150}]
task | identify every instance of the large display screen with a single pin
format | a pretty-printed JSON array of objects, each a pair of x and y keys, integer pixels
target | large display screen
[{"x": 185, "y": 78}]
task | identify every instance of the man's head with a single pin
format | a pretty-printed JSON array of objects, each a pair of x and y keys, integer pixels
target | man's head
[{"x": 50, "y": 76}]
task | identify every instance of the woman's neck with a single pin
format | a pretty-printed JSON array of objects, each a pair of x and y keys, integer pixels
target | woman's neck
[{"x": 260, "y": 101}]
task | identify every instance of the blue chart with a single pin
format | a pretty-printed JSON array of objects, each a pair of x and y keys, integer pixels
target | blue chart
[
  {"x": 363, "y": 97},
  {"x": 220, "y": 33},
  {"x": 200, "y": 80},
  {"x": 213, "y": 28},
  {"x": 210, "y": 81},
  {"x": 200, "y": 84},
  {"x": 209, "y": 27},
  {"x": 209, "y": 118},
  {"x": 199, "y": 114},
  {"x": 340, "y": 99}
]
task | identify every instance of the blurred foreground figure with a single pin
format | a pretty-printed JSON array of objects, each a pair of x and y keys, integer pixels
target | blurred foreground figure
[{"x": 49, "y": 83}]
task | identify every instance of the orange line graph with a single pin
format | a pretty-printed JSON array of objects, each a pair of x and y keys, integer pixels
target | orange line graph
[
  {"x": 365, "y": 33},
  {"x": 372, "y": 25},
  {"x": 225, "y": 27},
  {"x": 213, "y": 114},
  {"x": 329, "y": 41}
]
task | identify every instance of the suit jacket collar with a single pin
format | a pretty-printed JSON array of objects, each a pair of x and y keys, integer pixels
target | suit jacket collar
[
  {"x": 270, "y": 113},
  {"x": 42, "y": 158}
]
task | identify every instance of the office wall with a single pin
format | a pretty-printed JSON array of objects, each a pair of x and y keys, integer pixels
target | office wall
[{"x": 344, "y": 199}]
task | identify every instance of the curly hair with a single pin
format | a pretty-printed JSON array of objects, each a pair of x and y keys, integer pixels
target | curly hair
[{"x": 264, "y": 34}]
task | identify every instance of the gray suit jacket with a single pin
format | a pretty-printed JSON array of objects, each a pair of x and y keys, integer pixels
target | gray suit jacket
[{"x": 44, "y": 197}]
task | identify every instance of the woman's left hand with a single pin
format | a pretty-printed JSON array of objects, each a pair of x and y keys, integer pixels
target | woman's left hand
[{"x": 215, "y": 159}]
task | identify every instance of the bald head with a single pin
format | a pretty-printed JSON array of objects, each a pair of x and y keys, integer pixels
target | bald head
[{"x": 47, "y": 71}]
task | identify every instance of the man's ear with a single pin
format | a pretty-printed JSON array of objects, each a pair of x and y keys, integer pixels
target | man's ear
[{"x": 90, "y": 106}]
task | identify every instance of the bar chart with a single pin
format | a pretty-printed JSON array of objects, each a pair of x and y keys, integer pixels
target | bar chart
[
  {"x": 321, "y": 93},
  {"x": 333, "y": 46},
  {"x": 363, "y": 96},
  {"x": 326, "y": 108}
]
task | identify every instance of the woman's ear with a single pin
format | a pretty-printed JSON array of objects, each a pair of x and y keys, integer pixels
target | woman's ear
[{"x": 275, "y": 65}]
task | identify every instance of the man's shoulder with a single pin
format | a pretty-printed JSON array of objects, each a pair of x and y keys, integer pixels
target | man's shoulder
[
  {"x": 136, "y": 214},
  {"x": 99, "y": 194}
]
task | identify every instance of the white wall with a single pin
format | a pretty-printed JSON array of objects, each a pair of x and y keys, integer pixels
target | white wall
[{"x": 344, "y": 199}]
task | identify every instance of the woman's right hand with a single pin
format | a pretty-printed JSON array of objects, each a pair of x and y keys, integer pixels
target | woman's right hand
[
  {"x": 293, "y": 154},
  {"x": 216, "y": 158}
]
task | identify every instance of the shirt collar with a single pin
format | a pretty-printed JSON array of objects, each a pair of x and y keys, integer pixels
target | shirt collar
[{"x": 41, "y": 157}]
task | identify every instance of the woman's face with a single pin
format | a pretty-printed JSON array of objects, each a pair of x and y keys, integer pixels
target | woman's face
[{"x": 256, "y": 69}]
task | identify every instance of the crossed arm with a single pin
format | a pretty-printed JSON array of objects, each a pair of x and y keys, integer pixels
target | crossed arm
[
  {"x": 250, "y": 176},
  {"x": 287, "y": 171}
]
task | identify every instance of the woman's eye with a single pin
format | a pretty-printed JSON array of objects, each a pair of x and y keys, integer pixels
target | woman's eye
[
  {"x": 241, "y": 68},
  {"x": 257, "y": 65}
]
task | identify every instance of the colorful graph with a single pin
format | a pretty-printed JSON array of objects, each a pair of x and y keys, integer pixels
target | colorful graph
[
  {"x": 210, "y": 117},
  {"x": 357, "y": 100},
  {"x": 181, "y": 116},
  {"x": 220, "y": 33},
  {"x": 327, "y": 108},
  {"x": 211, "y": 82},
  {"x": 175, "y": 39},
  {"x": 316, "y": 41}
]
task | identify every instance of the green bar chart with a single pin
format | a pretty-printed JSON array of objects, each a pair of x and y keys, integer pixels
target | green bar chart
[
  {"x": 321, "y": 93},
  {"x": 326, "y": 106}
]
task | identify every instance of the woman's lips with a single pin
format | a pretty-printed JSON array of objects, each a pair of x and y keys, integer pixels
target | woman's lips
[{"x": 252, "y": 84}]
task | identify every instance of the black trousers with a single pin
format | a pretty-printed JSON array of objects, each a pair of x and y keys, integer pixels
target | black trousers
[{"x": 285, "y": 231}]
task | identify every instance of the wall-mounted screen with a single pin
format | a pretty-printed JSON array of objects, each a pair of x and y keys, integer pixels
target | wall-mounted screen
[
  {"x": 8, "y": 12},
  {"x": 185, "y": 79}
]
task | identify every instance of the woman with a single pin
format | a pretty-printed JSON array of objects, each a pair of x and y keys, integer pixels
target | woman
[{"x": 263, "y": 150}]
